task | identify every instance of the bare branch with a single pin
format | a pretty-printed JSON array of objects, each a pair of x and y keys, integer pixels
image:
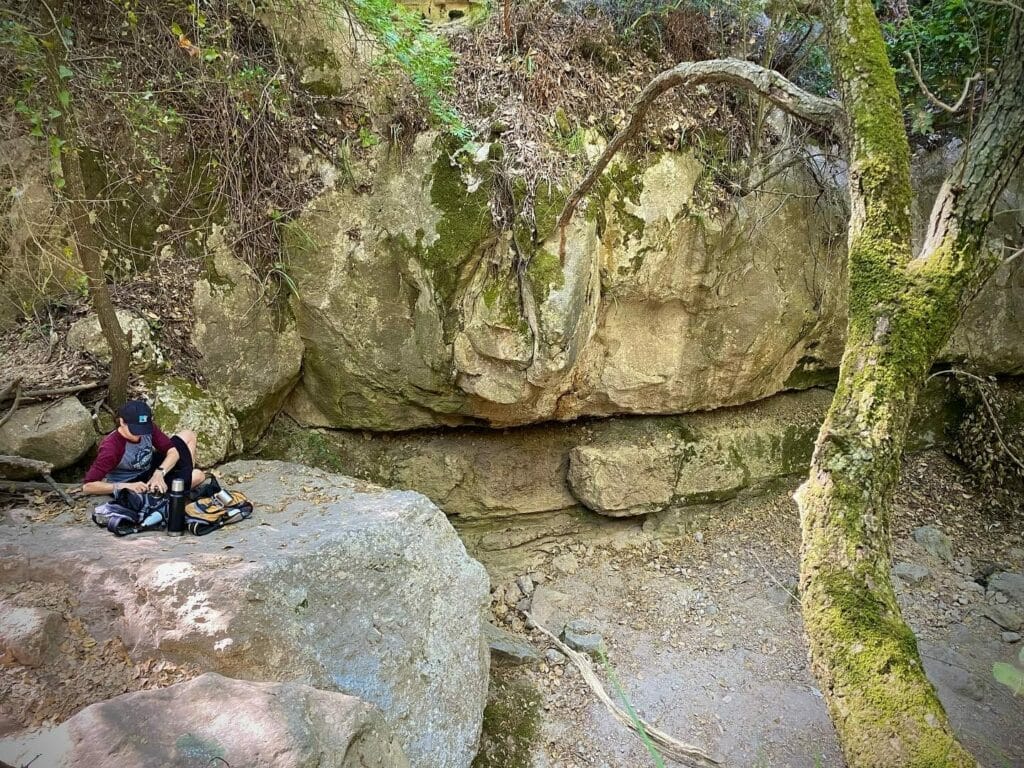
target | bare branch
[
  {"x": 951, "y": 108},
  {"x": 767, "y": 83},
  {"x": 677, "y": 751}
]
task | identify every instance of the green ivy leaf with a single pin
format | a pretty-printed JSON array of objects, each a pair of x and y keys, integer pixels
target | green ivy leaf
[
  {"x": 64, "y": 97},
  {"x": 64, "y": 72},
  {"x": 1010, "y": 676}
]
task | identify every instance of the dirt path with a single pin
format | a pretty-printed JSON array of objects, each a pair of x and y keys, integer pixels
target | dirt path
[{"x": 707, "y": 640}]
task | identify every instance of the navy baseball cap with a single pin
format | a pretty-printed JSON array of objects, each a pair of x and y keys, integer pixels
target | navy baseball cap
[{"x": 138, "y": 416}]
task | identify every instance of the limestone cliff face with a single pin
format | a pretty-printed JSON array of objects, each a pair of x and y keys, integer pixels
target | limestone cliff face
[{"x": 416, "y": 311}]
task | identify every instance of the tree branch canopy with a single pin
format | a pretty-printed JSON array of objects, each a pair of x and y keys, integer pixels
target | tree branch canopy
[{"x": 745, "y": 75}]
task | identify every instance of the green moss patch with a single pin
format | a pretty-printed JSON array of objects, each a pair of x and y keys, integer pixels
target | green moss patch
[{"x": 511, "y": 723}]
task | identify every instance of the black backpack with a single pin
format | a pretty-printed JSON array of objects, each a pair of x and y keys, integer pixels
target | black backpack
[{"x": 131, "y": 512}]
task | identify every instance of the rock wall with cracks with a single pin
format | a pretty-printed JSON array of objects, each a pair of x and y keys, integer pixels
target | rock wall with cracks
[{"x": 415, "y": 311}]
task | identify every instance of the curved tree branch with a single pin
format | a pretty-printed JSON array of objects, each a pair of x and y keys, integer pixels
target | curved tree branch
[{"x": 767, "y": 83}]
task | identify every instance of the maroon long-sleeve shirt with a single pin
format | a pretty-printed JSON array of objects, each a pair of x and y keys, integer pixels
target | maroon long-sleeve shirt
[{"x": 111, "y": 451}]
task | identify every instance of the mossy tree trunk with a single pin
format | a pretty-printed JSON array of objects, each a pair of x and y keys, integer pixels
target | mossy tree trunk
[
  {"x": 68, "y": 172},
  {"x": 902, "y": 311}
]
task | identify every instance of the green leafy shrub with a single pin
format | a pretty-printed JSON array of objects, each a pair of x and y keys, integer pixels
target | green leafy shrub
[{"x": 951, "y": 40}]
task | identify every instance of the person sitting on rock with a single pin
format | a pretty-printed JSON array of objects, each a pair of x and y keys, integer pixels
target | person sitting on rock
[{"x": 139, "y": 457}]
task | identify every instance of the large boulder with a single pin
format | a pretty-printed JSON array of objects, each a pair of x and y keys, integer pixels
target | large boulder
[
  {"x": 59, "y": 434},
  {"x": 637, "y": 313},
  {"x": 417, "y": 311},
  {"x": 250, "y": 352},
  {"x": 179, "y": 404},
  {"x": 711, "y": 460},
  {"x": 335, "y": 583},
  {"x": 85, "y": 335},
  {"x": 213, "y": 720}
]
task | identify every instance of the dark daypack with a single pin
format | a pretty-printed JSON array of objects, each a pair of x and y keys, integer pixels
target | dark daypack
[{"x": 130, "y": 512}]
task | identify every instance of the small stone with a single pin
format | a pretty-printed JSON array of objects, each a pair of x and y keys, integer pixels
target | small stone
[
  {"x": 525, "y": 584},
  {"x": 524, "y": 605},
  {"x": 509, "y": 649},
  {"x": 698, "y": 537},
  {"x": 554, "y": 657},
  {"x": 1010, "y": 637},
  {"x": 1016, "y": 553},
  {"x": 911, "y": 573},
  {"x": 28, "y": 633},
  {"x": 1005, "y": 617},
  {"x": 567, "y": 564},
  {"x": 582, "y": 636},
  {"x": 935, "y": 542}
]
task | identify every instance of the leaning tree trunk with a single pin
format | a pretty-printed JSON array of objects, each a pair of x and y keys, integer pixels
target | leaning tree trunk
[
  {"x": 902, "y": 311},
  {"x": 87, "y": 242}
]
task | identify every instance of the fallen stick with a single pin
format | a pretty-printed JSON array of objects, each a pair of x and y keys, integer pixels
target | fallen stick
[
  {"x": 50, "y": 484},
  {"x": 14, "y": 406},
  {"x": 36, "y": 394},
  {"x": 670, "y": 747}
]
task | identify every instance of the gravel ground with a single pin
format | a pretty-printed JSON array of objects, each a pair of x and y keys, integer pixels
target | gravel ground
[{"x": 707, "y": 640}]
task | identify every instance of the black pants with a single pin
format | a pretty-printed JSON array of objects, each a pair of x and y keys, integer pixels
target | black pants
[{"x": 182, "y": 470}]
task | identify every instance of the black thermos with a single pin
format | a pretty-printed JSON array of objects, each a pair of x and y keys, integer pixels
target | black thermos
[{"x": 176, "y": 508}]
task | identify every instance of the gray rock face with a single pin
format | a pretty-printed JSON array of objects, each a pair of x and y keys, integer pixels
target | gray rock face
[
  {"x": 1009, "y": 584},
  {"x": 216, "y": 720},
  {"x": 683, "y": 467},
  {"x": 336, "y": 583},
  {"x": 935, "y": 542},
  {"x": 1005, "y": 617},
  {"x": 35, "y": 264},
  {"x": 251, "y": 357},
  {"x": 87, "y": 336},
  {"x": 58, "y": 434}
]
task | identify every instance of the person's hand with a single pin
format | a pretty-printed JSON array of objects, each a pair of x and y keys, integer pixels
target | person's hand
[
  {"x": 157, "y": 484},
  {"x": 139, "y": 487}
]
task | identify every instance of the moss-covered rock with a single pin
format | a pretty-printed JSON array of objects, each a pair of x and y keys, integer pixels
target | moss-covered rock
[
  {"x": 251, "y": 351},
  {"x": 180, "y": 404},
  {"x": 416, "y": 312},
  {"x": 37, "y": 259},
  {"x": 86, "y": 335}
]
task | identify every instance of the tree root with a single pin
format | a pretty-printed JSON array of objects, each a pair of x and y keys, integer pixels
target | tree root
[{"x": 675, "y": 750}]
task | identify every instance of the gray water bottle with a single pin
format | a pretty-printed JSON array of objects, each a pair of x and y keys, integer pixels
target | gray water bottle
[{"x": 176, "y": 508}]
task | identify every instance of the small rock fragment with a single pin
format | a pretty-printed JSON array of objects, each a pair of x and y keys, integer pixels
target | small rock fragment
[
  {"x": 582, "y": 636},
  {"x": 508, "y": 649},
  {"x": 554, "y": 657},
  {"x": 28, "y": 633},
  {"x": 935, "y": 542},
  {"x": 1010, "y": 637},
  {"x": 911, "y": 573},
  {"x": 525, "y": 584}
]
